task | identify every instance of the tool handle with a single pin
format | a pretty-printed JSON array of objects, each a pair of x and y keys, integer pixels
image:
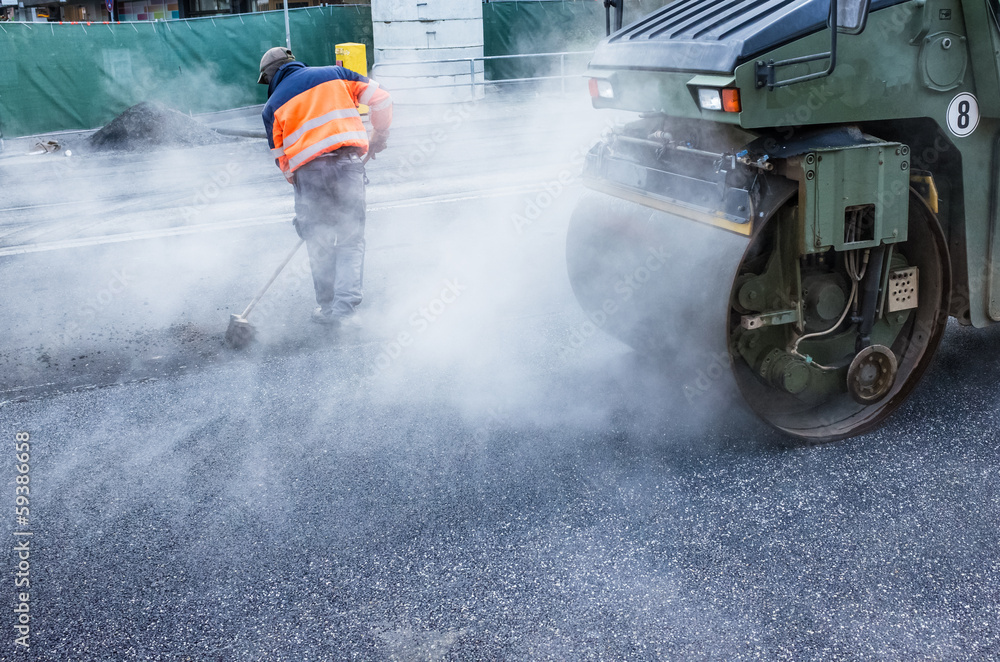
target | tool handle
[
  {"x": 275, "y": 276},
  {"x": 288, "y": 259}
]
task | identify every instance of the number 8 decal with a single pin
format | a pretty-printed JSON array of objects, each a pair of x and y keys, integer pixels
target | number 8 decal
[{"x": 963, "y": 115}]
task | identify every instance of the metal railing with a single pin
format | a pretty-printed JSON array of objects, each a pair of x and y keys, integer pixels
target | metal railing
[{"x": 472, "y": 73}]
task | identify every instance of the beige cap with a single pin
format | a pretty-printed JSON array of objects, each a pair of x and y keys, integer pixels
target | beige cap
[{"x": 272, "y": 61}]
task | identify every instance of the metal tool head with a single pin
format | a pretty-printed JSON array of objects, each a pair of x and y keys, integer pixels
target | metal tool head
[{"x": 240, "y": 332}]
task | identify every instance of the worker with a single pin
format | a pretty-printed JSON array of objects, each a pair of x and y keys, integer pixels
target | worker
[{"x": 318, "y": 140}]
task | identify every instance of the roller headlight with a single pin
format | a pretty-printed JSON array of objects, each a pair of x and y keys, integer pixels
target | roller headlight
[
  {"x": 600, "y": 88},
  {"x": 725, "y": 99}
]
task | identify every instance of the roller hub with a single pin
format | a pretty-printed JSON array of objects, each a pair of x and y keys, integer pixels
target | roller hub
[{"x": 872, "y": 374}]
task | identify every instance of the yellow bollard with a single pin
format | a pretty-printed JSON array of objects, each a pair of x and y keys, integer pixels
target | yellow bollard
[{"x": 352, "y": 56}]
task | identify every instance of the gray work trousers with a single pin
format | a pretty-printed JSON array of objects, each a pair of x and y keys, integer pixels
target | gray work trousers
[{"x": 330, "y": 216}]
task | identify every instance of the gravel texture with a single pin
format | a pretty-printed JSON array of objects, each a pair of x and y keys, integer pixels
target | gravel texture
[{"x": 147, "y": 126}]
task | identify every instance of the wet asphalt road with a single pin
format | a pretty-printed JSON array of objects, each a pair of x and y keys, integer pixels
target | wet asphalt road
[{"x": 473, "y": 475}]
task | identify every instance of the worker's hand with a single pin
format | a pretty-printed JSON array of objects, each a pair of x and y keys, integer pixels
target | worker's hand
[
  {"x": 290, "y": 176},
  {"x": 378, "y": 141}
]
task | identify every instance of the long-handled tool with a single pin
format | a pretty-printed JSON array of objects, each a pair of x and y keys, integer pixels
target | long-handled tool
[{"x": 240, "y": 332}]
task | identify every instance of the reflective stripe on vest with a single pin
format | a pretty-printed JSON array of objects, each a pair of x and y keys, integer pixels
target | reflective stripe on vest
[
  {"x": 382, "y": 104},
  {"x": 313, "y": 150},
  {"x": 368, "y": 93},
  {"x": 293, "y": 137}
]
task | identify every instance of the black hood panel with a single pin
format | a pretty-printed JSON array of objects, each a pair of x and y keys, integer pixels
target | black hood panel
[{"x": 712, "y": 36}]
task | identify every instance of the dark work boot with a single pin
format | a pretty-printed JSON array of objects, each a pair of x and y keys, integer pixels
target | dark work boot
[{"x": 325, "y": 317}]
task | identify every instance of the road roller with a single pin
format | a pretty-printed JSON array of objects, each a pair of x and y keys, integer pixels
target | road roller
[{"x": 802, "y": 194}]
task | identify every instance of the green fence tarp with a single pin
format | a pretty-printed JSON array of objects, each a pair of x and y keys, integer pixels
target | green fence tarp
[
  {"x": 539, "y": 27},
  {"x": 78, "y": 76}
]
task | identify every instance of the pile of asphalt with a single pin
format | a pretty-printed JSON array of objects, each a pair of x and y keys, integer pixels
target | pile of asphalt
[{"x": 147, "y": 126}]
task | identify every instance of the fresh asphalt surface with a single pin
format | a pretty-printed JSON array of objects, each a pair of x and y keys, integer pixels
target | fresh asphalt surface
[{"x": 475, "y": 474}]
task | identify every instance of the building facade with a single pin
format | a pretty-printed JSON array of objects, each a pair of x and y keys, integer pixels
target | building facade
[{"x": 41, "y": 11}]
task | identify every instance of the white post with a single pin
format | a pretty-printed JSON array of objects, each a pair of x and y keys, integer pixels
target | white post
[
  {"x": 288, "y": 32},
  {"x": 562, "y": 73}
]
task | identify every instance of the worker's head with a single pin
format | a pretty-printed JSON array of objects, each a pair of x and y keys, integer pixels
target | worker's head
[{"x": 272, "y": 61}]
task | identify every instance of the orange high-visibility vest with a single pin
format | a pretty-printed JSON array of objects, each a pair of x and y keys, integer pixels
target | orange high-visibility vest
[{"x": 314, "y": 110}]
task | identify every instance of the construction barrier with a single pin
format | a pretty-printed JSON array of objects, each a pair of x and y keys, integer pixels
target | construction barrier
[
  {"x": 552, "y": 26},
  {"x": 80, "y": 76}
]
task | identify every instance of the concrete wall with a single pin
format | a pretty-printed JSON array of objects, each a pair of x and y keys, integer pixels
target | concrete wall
[{"x": 423, "y": 31}]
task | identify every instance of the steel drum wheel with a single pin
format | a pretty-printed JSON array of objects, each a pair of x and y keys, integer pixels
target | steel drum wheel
[
  {"x": 841, "y": 415},
  {"x": 684, "y": 316},
  {"x": 657, "y": 282}
]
